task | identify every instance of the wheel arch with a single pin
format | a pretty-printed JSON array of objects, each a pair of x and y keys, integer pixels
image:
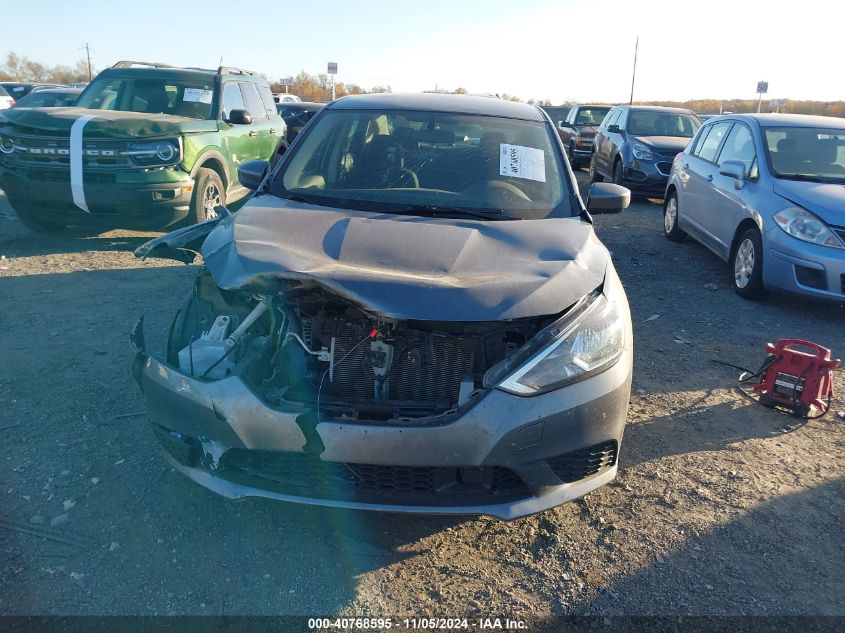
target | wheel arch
[
  {"x": 742, "y": 227},
  {"x": 216, "y": 161}
]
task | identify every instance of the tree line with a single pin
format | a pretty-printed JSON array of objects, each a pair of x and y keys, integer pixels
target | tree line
[{"x": 19, "y": 68}]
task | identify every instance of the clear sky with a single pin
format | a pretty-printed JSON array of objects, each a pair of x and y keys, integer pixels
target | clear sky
[{"x": 555, "y": 49}]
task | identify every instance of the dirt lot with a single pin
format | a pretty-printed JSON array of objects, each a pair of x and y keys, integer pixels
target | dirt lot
[{"x": 721, "y": 506}]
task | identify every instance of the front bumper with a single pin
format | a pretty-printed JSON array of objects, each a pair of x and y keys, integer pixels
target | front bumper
[
  {"x": 135, "y": 199},
  {"x": 505, "y": 456},
  {"x": 791, "y": 265},
  {"x": 649, "y": 178}
]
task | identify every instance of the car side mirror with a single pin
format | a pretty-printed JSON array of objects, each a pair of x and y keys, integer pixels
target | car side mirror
[
  {"x": 733, "y": 169},
  {"x": 606, "y": 197},
  {"x": 252, "y": 172},
  {"x": 239, "y": 117},
  {"x": 614, "y": 129}
]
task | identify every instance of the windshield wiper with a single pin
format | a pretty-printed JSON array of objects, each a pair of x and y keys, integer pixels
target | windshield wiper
[
  {"x": 812, "y": 178},
  {"x": 434, "y": 210}
]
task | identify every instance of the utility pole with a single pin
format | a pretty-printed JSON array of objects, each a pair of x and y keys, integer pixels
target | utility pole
[
  {"x": 88, "y": 54},
  {"x": 634, "y": 74}
]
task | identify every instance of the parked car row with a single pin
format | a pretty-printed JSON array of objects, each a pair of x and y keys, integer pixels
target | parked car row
[{"x": 17, "y": 94}]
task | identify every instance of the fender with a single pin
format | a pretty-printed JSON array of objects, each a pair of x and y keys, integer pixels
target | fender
[{"x": 216, "y": 154}]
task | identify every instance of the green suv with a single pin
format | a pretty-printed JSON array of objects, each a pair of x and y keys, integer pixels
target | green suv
[{"x": 146, "y": 145}]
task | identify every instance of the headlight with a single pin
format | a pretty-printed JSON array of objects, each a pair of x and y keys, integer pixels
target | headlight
[
  {"x": 641, "y": 152},
  {"x": 586, "y": 341},
  {"x": 155, "y": 153},
  {"x": 803, "y": 225},
  {"x": 7, "y": 145}
]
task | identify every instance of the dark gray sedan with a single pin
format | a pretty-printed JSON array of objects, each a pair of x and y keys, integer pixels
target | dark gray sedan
[{"x": 406, "y": 317}]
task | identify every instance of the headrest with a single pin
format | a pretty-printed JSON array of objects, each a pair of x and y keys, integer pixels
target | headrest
[{"x": 786, "y": 145}]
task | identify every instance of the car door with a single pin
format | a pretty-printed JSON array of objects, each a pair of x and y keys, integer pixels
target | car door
[
  {"x": 567, "y": 130},
  {"x": 261, "y": 144},
  {"x": 239, "y": 143},
  {"x": 603, "y": 144},
  {"x": 727, "y": 202},
  {"x": 700, "y": 168}
]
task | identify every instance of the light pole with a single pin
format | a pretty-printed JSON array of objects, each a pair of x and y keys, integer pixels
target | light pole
[{"x": 634, "y": 74}]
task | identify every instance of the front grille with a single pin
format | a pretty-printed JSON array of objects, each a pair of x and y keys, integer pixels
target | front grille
[
  {"x": 60, "y": 175},
  {"x": 54, "y": 152},
  {"x": 664, "y": 168},
  {"x": 306, "y": 475},
  {"x": 577, "y": 465}
]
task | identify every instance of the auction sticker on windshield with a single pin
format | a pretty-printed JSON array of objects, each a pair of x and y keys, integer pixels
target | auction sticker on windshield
[
  {"x": 197, "y": 95},
  {"x": 518, "y": 161}
]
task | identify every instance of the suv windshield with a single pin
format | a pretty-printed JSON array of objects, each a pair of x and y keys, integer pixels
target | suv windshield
[
  {"x": 806, "y": 153},
  {"x": 427, "y": 163},
  {"x": 655, "y": 123},
  {"x": 591, "y": 116},
  {"x": 150, "y": 95}
]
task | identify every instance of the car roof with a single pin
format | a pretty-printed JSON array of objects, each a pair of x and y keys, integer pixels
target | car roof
[
  {"x": 64, "y": 89},
  {"x": 772, "y": 119},
  {"x": 463, "y": 104},
  {"x": 644, "y": 108},
  {"x": 173, "y": 72}
]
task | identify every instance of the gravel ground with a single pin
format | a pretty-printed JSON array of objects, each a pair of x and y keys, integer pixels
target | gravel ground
[{"x": 721, "y": 507}]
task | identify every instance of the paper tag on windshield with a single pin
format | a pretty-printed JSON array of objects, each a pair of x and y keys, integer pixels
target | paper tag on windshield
[
  {"x": 518, "y": 161},
  {"x": 197, "y": 95}
]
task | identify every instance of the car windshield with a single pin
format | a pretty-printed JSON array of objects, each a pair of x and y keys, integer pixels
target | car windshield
[
  {"x": 427, "y": 163},
  {"x": 591, "y": 116},
  {"x": 806, "y": 153},
  {"x": 150, "y": 95},
  {"x": 48, "y": 98},
  {"x": 655, "y": 123}
]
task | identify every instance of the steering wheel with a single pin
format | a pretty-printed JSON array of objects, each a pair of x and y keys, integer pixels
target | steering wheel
[
  {"x": 498, "y": 191},
  {"x": 403, "y": 174}
]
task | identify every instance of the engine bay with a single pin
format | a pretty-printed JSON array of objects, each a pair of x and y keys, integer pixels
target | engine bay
[{"x": 299, "y": 343}]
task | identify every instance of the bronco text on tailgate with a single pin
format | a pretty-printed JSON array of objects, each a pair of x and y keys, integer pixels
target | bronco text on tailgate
[{"x": 146, "y": 146}]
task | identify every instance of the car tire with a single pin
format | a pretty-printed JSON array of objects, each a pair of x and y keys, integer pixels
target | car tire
[
  {"x": 209, "y": 193},
  {"x": 670, "y": 219},
  {"x": 617, "y": 173},
  {"x": 595, "y": 176},
  {"x": 572, "y": 160},
  {"x": 747, "y": 263},
  {"x": 30, "y": 221}
]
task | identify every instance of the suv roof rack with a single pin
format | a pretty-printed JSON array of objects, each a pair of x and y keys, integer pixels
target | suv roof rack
[
  {"x": 231, "y": 70},
  {"x": 128, "y": 63}
]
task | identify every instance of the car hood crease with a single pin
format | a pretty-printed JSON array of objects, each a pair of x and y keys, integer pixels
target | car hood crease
[{"x": 410, "y": 267}]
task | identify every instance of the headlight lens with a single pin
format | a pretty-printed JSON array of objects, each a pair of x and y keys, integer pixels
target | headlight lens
[
  {"x": 155, "y": 153},
  {"x": 641, "y": 152},
  {"x": 7, "y": 145},
  {"x": 583, "y": 343},
  {"x": 803, "y": 225}
]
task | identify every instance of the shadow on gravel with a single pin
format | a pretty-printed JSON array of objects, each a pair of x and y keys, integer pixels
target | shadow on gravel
[
  {"x": 728, "y": 570},
  {"x": 701, "y": 426},
  {"x": 26, "y": 244}
]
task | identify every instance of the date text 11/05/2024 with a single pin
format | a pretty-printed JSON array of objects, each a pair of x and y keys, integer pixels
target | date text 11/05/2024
[{"x": 417, "y": 624}]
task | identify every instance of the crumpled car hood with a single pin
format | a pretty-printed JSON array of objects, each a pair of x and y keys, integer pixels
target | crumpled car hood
[
  {"x": 108, "y": 123},
  {"x": 410, "y": 267}
]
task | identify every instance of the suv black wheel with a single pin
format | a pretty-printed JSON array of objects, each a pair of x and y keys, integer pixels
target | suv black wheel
[
  {"x": 209, "y": 193},
  {"x": 670, "y": 219},
  {"x": 747, "y": 263},
  {"x": 33, "y": 223}
]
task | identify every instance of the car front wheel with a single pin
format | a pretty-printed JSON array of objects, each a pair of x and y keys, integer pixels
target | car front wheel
[
  {"x": 670, "y": 219},
  {"x": 748, "y": 265},
  {"x": 209, "y": 193}
]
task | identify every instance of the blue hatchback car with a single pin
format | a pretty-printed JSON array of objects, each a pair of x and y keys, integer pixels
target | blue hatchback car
[{"x": 766, "y": 193}]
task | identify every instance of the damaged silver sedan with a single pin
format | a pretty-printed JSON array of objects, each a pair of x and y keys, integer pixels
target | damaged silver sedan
[{"x": 412, "y": 313}]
